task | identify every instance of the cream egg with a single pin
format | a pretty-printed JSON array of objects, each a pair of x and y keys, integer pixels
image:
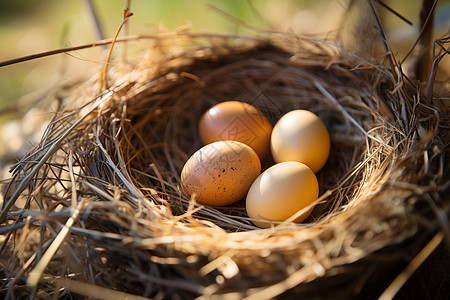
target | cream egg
[
  {"x": 237, "y": 121},
  {"x": 301, "y": 136},
  {"x": 220, "y": 173},
  {"x": 281, "y": 191}
]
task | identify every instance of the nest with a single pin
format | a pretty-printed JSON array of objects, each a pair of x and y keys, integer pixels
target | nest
[{"x": 97, "y": 208}]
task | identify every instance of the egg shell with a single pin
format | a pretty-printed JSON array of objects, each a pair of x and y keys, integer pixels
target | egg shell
[
  {"x": 220, "y": 173},
  {"x": 301, "y": 136},
  {"x": 280, "y": 192},
  {"x": 237, "y": 121}
]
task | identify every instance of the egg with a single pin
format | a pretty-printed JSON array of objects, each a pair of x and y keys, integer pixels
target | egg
[
  {"x": 301, "y": 136},
  {"x": 220, "y": 173},
  {"x": 237, "y": 121},
  {"x": 280, "y": 192}
]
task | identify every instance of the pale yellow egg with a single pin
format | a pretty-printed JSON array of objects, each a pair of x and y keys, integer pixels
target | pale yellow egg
[
  {"x": 220, "y": 173},
  {"x": 280, "y": 192},
  {"x": 301, "y": 136}
]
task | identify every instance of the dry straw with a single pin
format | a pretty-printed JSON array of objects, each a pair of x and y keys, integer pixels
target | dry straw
[{"x": 96, "y": 208}]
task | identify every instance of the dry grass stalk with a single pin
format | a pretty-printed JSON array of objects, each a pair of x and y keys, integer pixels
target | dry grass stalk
[{"x": 120, "y": 153}]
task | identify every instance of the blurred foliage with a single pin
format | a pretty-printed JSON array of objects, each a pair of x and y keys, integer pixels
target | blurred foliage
[
  {"x": 29, "y": 26},
  {"x": 11, "y": 9}
]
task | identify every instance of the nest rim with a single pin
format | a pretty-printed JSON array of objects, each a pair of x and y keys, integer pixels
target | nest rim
[{"x": 110, "y": 116}]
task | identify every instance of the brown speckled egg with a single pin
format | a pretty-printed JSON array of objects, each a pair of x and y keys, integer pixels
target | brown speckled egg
[
  {"x": 220, "y": 173},
  {"x": 237, "y": 121}
]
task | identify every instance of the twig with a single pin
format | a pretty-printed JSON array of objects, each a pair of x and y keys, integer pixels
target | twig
[
  {"x": 280, "y": 287},
  {"x": 387, "y": 50},
  {"x": 423, "y": 56},
  {"x": 94, "y": 291},
  {"x": 126, "y": 16},
  {"x": 401, "y": 279},
  {"x": 422, "y": 31},
  {"x": 72, "y": 180},
  {"x": 431, "y": 80},
  {"x": 394, "y": 12},
  {"x": 53, "y": 52},
  {"x": 36, "y": 273},
  {"x": 119, "y": 39},
  {"x": 126, "y": 10},
  {"x": 434, "y": 68}
]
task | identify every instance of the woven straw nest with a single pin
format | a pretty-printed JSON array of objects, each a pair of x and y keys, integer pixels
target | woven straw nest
[{"x": 108, "y": 169}]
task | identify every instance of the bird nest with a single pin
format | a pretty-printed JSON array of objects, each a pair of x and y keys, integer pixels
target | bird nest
[{"x": 96, "y": 207}]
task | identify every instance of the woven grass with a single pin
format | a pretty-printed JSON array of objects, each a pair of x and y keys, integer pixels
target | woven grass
[{"x": 98, "y": 209}]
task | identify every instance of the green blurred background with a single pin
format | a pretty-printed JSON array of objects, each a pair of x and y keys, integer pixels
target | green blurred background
[{"x": 29, "y": 26}]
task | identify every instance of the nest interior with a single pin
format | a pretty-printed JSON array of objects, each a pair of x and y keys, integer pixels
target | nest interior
[{"x": 108, "y": 167}]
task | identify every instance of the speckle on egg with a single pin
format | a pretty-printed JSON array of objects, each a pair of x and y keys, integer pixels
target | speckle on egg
[{"x": 206, "y": 175}]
